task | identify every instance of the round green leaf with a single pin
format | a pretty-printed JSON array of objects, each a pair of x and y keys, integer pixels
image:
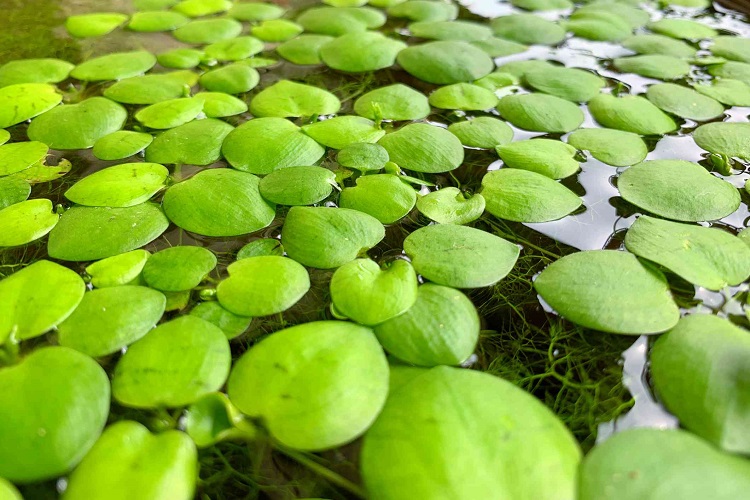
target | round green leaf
[
  {"x": 613, "y": 147},
  {"x": 4, "y": 136},
  {"x": 653, "y": 66},
  {"x": 119, "y": 269},
  {"x": 37, "y": 298},
  {"x": 261, "y": 286},
  {"x": 91, "y": 233},
  {"x": 734, "y": 70},
  {"x": 297, "y": 185},
  {"x": 109, "y": 319},
  {"x": 260, "y": 247},
  {"x": 460, "y": 256},
  {"x": 658, "y": 44},
  {"x": 422, "y": 434},
  {"x": 8, "y": 491},
  {"x": 93, "y": 25},
  {"x": 179, "y": 268},
  {"x": 682, "y": 28},
  {"x": 518, "y": 69},
  {"x": 463, "y": 96},
  {"x": 726, "y": 91},
  {"x": 393, "y": 102},
  {"x": 528, "y": 29},
  {"x": 173, "y": 365},
  {"x": 151, "y": 89},
  {"x": 180, "y": 58},
  {"x": 363, "y": 157},
  {"x": 276, "y": 30},
  {"x": 196, "y": 143},
  {"x": 340, "y": 131},
  {"x": 575, "y": 85},
  {"x": 12, "y": 191},
  {"x": 466, "y": 31},
  {"x": 633, "y": 14},
  {"x": 730, "y": 139},
  {"x": 220, "y": 105},
  {"x": 451, "y": 206},
  {"x": 205, "y": 31},
  {"x": 154, "y": 21},
  {"x": 482, "y": 132},
  {"x": 661, "y": 464},
  {"x": 326, "y": 238},
  {"x": 601, "y": 26},
  {"x": 170, "y": 114},
  {"x": 234, "y": 49},
  {"x": 424, "y": 10},
  {"x": 290, "y": 99},
  {"x": 55, "y": 405},
  {"x": 119, "y": 186},
  {"x": 18, "y": 156},
  {"x": 23, "y": 101},
  {"x": 34, "y": 71},
  {"x": 304, "y": 49},
  {"x": 684, "y": 102},
  {"x": 526, "y": 196},
  {"x": 678, "y": 190},
  {"x": 26, "y": 221},
  {"x": 78, "y": 126},
  {"x": 231, "y": 79},
  {"x": 548, "y": 157},
  {"x": 734, "y": 48},
  {"x": 540, "y": 112},
  {"x": 149, "y": 464},
  {"x": 199, "y": 8},
  {"x": 255, "y": 11},
  {"x": 263, "y": 145},
  {"x": 631, "y": 114},
  {"x": 121, "y": 144},
  {"x": 114, "y": 66},
  {"x": 610, "y": 291},
  {"x": 424, "y": 148},
  {"x": 336, "y": 21},
  {"x": 706, "y": 257},
  {"x": 361, "y": 52},
  {"x": 445, "y": 62},
  {"x": 699, "y": 370},
  {"x": 232, "y": 325},
  {"x": 218, "y": 202},
  {"x": 369, "y": 295},
  {"x": 303, "y": 380},
  {"x": 384, "y": 196}
]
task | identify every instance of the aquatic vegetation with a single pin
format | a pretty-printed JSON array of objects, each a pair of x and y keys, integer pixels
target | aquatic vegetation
[{"x": 387, "y": 249}]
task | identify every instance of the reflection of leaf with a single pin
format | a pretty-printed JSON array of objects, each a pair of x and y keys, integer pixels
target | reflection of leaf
[{"x": 40, "y": 172}]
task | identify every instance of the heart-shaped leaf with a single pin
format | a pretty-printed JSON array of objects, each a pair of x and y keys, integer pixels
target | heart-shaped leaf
[
  {"x": 22, "y": 101},
  {"x": 297, "y": 185},
  {"x": 194, "y": 143},
  {"x": 123, "y": 185},
  {"x": 26, "y": 221},
  {"x": 178, "y": 268},
  {"x": 384, "y": 196}
]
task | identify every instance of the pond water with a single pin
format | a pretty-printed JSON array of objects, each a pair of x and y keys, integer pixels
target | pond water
[{"x": 597, "y": 384}]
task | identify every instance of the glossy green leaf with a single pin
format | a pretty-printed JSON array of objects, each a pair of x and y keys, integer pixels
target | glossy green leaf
[
  {"x": 682, "y": 28},
  {"x": 424, "y": 10},
  {"x": 205, "y": 31},
  {"x": 730, "y": 139},
  {"x": 37, "y": 298},
  {"x": 633, "y": 14},
  {"x": 233, "y": 325},
  {"x": 26, "y": 221},
  {"x": 653, "y": 66},
  {"x": 336, "y": 21},
  {"x": 220, "y": 105},
  {"x": 393, "y": 102},
  {"x": 451, "y": 206},
  {"x": 255, "y": 11},
  {"x": 263, "y": 145},
  {"x": 178, "y": 268},
  {"x": 518, "y": 69},
  {"x": 363, "y": 157},
  {"x": 55, "y": 405},
  {"x": 276, "y": 30},
  {"x": 4, "y": 136},
  {"x": 40, "y": 172},
  {"x": 699, "y": 370},
  {"x": 93, "y": 25},
  {"x": 173, "y": 365},
  {"x": 151, "y": 89},
  {"x": 575, "y": 85},
  {"x": 361, "y": 52},
  {"x": 658, "y": 44},
  {"x": 466, "y": 31},
  {"x": 121, "y": 144},
  {"x": 214, "y": 418},
  {"x": 155, "y": 21},
  {"x": 528, "y": 29},
  {"x": 34, "y": 71},
  {"x": 610, "y": 291},
  {"x": 218, "y": 202},
  {"x": 260, "y": 247},
  {"x": 540, "y": 112},
  {"x": 180, "y": 58},
  {"x": 483, "y": 132},
  {"x": 304, "y": 49},
  {"x": 170, "y": 114},
  {"x": 13, "y": 190},
  {"x": 726, "y": 91},
  {"x": 424, "y": 148},
  {"x": 92, "y": 233},
  {"x": 460, "y": 256},
  {"x": 234, "y": 49},
  {"x": 734, "y": 48},
  {"x": 684, "y": 102},
  {"x": 383, "y": 196},
  {"x": 18, "y": 156},
  {"x": 548, "y": 157},
  {"x": 340, "y": 131},
  {"x": 114, "y": 66},
  {"x": 297, "y": 185},
  {"x": 145, "y": 5},
  {"x": 613, "y": 147},
  {"x": 603, "y": 26},
  {"x": 303, "y": 380},
  {"x": 526, "y": 196},
  {"x": 78, "y": 126},
  {"x": 445, "y": 62},
  {"x": 200, "y": 8},
  {"x": 326, "y": 238},
  {"x": 417, "y": 436},
  {"x": 119, "y": 186},
  {"x": 631, "y": 114},
  {"x": 733, "y": 70},
  {"x": 119, "y": 269},
  {"x": 196, "y": 143},
  {"x": 678, "y": 190},
  {"x": 661, "y": 465},
  {"x": 22, "y": 101},
  {"x": 290, "y": 99},
  {"x": 463, "y": 96},
  {"x": 8, "y": 491},
  {"x": 231, "y": 79},
  {"x": 497, "y": 47},
  {"x": 149, "y": 464},
  {"x": 109, "y": 319}
]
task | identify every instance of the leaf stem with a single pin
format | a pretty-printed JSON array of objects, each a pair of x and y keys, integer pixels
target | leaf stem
[{"x": 324, "y": 472}]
